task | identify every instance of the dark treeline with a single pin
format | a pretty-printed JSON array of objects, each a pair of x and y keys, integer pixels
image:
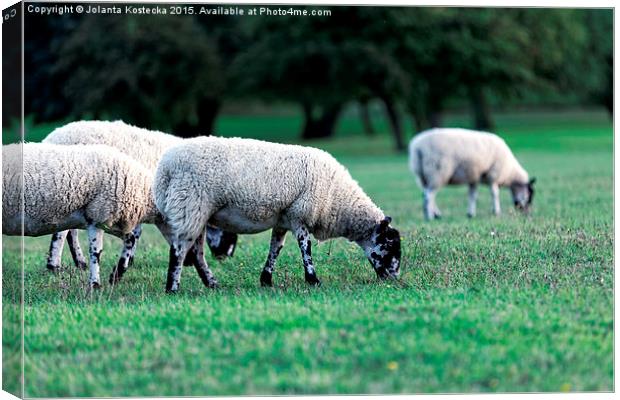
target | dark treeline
[{"x": 175, "y": 72}]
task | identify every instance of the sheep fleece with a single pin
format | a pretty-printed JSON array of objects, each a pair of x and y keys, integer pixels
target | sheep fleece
[
  {"x": 269, "y": 183},
  {"x": 456, "y": 156},
  {"x": 143, "y": 145},
  {"x": 66, "y": 186}
]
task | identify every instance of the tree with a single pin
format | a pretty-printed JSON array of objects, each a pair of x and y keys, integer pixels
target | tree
[
  {"x": 296, "y": 63},
  {"x": 43, "y": 97},
  {"x": 469, "y": 53},
  {"x": 597, "y": 60},
  {"x": 322, "y": 63},
  {"x": 364, "y": 111},
  {"x": 157, "y": 72}
]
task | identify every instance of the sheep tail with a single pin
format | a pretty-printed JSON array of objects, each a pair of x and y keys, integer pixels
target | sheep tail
[
  {"x": 160, "y": 189},
  {"x": 417, "y": 166}
]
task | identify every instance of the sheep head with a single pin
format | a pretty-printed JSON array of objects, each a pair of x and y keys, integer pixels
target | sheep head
[
  {"x": 383, "y": 249},
  {"x": 523, "y": 194}
]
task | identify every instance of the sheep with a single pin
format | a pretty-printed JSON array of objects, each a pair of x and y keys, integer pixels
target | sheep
[
  {"x": 92, "y": 187},
  {"x": 453, "y": 156},
  {"x": 144, "y": 146},
  {"x": 248, "y": 186}
]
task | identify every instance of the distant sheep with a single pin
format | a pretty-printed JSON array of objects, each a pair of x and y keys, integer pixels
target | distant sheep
[
  {"x": 249, "y": 186},
  {"x": 75, "y": 187},
  {"x": 144, "y": 146},
  {"x": 452, "y": 156}
]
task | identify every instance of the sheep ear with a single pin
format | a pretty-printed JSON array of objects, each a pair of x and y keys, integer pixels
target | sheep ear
[
  {"x": 533, "y": 181},
  {"x": 386, "y": 221}
]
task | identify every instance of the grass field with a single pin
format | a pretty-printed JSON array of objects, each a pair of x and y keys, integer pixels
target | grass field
[{"x": 485, "y": 305}]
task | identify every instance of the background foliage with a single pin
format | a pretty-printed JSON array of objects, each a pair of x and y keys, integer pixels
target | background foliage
[{"x": 178, "y": 73}]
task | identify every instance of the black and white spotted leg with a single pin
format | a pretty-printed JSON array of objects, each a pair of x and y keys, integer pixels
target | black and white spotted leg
[
  {"x": 198, "y": 257},
  {"x": 55, "y": 253},
  {"x": 95, "y": 242},
  {"x": 303, "y": 239},
  {"x": 137, "y": 233},
  {"x": 76, "y": 249},
  {"x": 178, "y": 252},
  {"x": 125, "y": 260},
  {"x": 277, "y": 242}
]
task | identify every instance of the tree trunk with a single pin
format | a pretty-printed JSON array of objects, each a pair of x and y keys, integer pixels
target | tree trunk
[
  {"x": 420, "y": 120},
  {"x": 365, "y": 116},
  {"x": 609, "y": 103},
  {"x": 419, "y": 124},
  {"x": 309, "y": 122},
  {"x": 323, "y": 126},
  {"x": 480, "y": 109},
  {"x": 395, "y": 123},
  {"x": 208, "y": 110},
  {"x": 434, "y": 108},
  {"x": 608, "y": 91},
  {"x": 435, "y": 119}
]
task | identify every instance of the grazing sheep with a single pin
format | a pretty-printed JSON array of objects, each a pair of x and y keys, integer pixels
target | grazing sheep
[
  {"x": 92, "y": 187},
  {"x": 249, "y": 186},
  {"x": 144, "y": 146},
  {"x": 451, "y": 156}
]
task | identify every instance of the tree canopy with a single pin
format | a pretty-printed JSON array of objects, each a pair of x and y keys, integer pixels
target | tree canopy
[
  {"x": 155, "y": 71},
  {"x": 174, "y": 73}
]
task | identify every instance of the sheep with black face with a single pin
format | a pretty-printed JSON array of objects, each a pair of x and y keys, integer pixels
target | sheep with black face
[
  {"x": 452, "y": 156},
  {"x": 249, "y": 186}
]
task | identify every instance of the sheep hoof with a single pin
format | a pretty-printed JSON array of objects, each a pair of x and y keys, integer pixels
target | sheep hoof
[
  {"x": 213, "y": 284},
  {"x": 95, "y": 285},
  {"x": 171, "y": 291},
  {"x": 382, "y": 273},
  {"x": 311, "y": 279},
  {"x": 266, "y": 279},
  {"x": 53, "y": 268},
  {"x": 470, "y": 215},
  {"x": 82, "y": 265},
  {"x": 115, "y": 277}
]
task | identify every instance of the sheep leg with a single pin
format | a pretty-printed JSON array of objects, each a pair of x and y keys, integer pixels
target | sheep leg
[
  {"x": 130, "y": 242},
  {"x": 472, "y": 196},
  {"x": 198, "y": 256},
  {"x": 55, "y": 253},
  {"x": 495, "y": 198},
  {"x": 436, "y": 211},
  {"x": 430, "y": 208},
  {"x": 76, "y": 250},
  {"x": 277, "y": 242},
  {"x": 303, "y": 239},
  {"x": 137, "y": 233},
  {"x": 95, "y": 240},
  {"x": 178, "y": 252}
]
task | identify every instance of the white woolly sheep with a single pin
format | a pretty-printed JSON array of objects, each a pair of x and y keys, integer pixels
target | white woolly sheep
[
  {"x": 453, "y": 156},
  {"x": 249, "y": 186},
  {"x": 144, "y": 146},
  {"x": 75, "y": 187}
]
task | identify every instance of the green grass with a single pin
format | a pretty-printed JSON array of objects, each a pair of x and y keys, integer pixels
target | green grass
[{"x": 483, "y": 305}]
